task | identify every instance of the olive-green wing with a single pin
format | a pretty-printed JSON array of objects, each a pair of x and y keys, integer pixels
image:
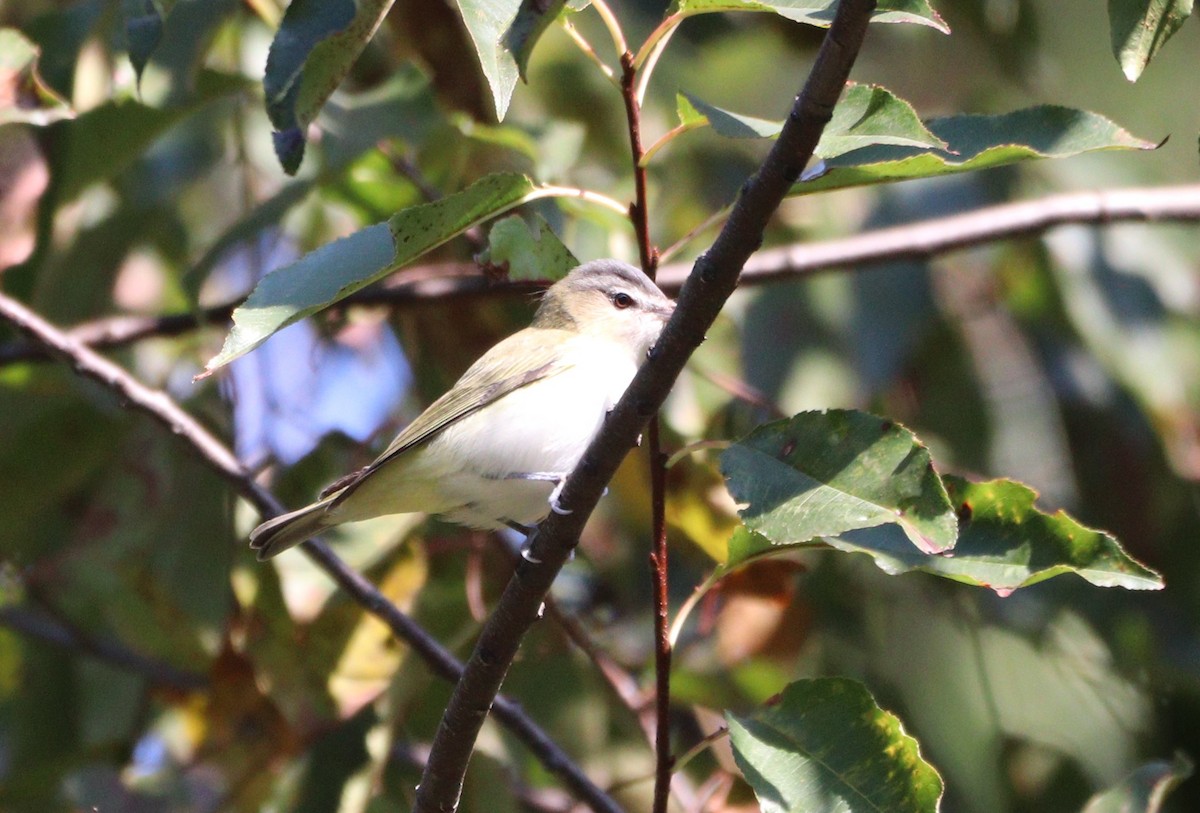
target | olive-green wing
[{"x": 521, "y": 359}]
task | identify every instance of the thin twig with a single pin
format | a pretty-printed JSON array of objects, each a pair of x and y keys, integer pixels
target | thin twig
[
  {"x": 639, "y": 213},
  {"x": 42, "y": 627},
  {"x": 704, "y": 294},
  {"x": 588, "y": 50},
  {"x": 664, "y": 763},
  {"x": 165, "y": 411},
  {"x": 920, "y": 240},
  {"x": 928, "y": 238}
]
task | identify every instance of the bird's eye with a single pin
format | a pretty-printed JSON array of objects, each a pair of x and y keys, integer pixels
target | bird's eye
[{"x": 622, "y": 300}]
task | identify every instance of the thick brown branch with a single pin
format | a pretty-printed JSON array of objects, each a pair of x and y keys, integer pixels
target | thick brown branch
[
  {"x": 162, "y": 409},
  {"x": 701, "y": 299}
]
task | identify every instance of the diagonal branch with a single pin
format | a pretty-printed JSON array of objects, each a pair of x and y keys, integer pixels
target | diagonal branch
[
  {"x": 42, "y": 627},
  {"x": 166, "y": 412},
  {"x": 712, "y": 281}
]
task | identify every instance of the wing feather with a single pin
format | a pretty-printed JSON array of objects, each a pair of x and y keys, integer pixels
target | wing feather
[{"x": 530, "y": 355}]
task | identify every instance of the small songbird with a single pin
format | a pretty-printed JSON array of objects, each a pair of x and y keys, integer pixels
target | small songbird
[{"x": 494, "y": 450}]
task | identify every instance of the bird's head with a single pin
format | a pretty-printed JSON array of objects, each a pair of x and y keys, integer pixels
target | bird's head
[{"x": 608, "y": 299}]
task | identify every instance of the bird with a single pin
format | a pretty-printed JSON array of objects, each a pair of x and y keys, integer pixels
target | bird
[{"x": 494, "y": 451}]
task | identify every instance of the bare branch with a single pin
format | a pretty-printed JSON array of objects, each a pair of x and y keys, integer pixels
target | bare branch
[
  {"x": 701, "y": 299},
  {"x": 162, "y": 409},
  {"x": 42, "y": 627},
  {"x": 929, "y": 238},
  {"x": 926, "y": 238}
]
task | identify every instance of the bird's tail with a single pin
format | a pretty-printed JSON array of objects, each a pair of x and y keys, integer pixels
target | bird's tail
[{"x": 287, "y": 530}]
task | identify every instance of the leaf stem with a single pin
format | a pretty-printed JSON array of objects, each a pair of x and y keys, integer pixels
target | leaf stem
[
  {"x": 651, "y": 50},
  {"x": 575, "y": 192},
  {"x": 700, "y": 747},
  {"x": 657, "y": 39},
  {"x": 690, "y": 604},
  {"x": 613, "y": 26},
  {"x": 589, "y": 51},
  {"x": 666, "y": 138}
]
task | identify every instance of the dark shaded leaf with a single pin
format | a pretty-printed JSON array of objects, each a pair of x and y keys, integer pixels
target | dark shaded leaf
[{"x": 826, "y": 746}]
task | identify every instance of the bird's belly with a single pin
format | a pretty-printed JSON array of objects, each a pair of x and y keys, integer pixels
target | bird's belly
[{"x": 538, "y": 431}]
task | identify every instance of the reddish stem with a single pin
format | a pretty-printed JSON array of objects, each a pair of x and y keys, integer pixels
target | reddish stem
[
  {"x": 664, "y": 762},
  {"x": 639, "y": 214},
  {"x": 638, "y": 210}
]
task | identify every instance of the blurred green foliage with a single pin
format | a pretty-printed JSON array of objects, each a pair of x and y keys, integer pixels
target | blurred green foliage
[{"x": 1070, "y": 362}]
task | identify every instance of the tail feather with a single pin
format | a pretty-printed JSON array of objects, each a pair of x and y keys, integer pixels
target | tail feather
[{"x": 287, "y": 530}]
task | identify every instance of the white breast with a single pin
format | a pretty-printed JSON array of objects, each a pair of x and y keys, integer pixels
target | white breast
[{"x": 540, "y": 429}]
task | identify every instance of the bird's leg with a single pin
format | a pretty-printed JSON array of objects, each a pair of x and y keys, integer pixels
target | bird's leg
[{"x": 559, "y": 481}]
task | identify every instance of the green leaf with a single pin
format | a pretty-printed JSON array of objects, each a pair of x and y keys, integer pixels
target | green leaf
[
  {"x": 526, "y": 255},
  {"x": 827, "y": 747},
  {"x": 1141, "y": 27},
  {"x": 1005, "y": 542},
  {"x": 824, "y": 473},
  {"x": 865, "y": 116},
  {"x": 313, "y": 50},
  {"x": 105, "y": 140},
  {"x": 725, "y": 122},
  {"x": 24, "y": 97},
  {"x": 504, "y": 33},
  {"x": 144, "y": 29},
  {"x": 687, "y": 112},
  {"x": 817, "y": 12},
  {"x": 338, "y": 269},
  {"x": 1144, "y": 790},
  {"x": 976, "y": 142},
  {"x": 869, "y": 115}
]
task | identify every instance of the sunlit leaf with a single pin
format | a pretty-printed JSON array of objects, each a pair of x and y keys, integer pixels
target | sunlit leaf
[
  {"x": 313, "y": 50},
  {"x": 1141, "y": 27},
  {"x": 826, "y": 747},
  {"x": 504, "y": 33},
  {"x": 24, "y": 97},
  {"x": 824, "y": 473},
  {"x": 523, "y": 254},
  {"x": 975, "y": 142},
  {"x": 1144, "y": 790},
  {"x": 817, "y": 12},
  {"x": 867, "y": 115},
  {"x": 338, "y": 269},
  {"x": 1005, "y": 543}
]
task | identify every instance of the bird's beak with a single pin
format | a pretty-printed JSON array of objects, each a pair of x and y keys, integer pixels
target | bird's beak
[{"x": 664, "y": 311}]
